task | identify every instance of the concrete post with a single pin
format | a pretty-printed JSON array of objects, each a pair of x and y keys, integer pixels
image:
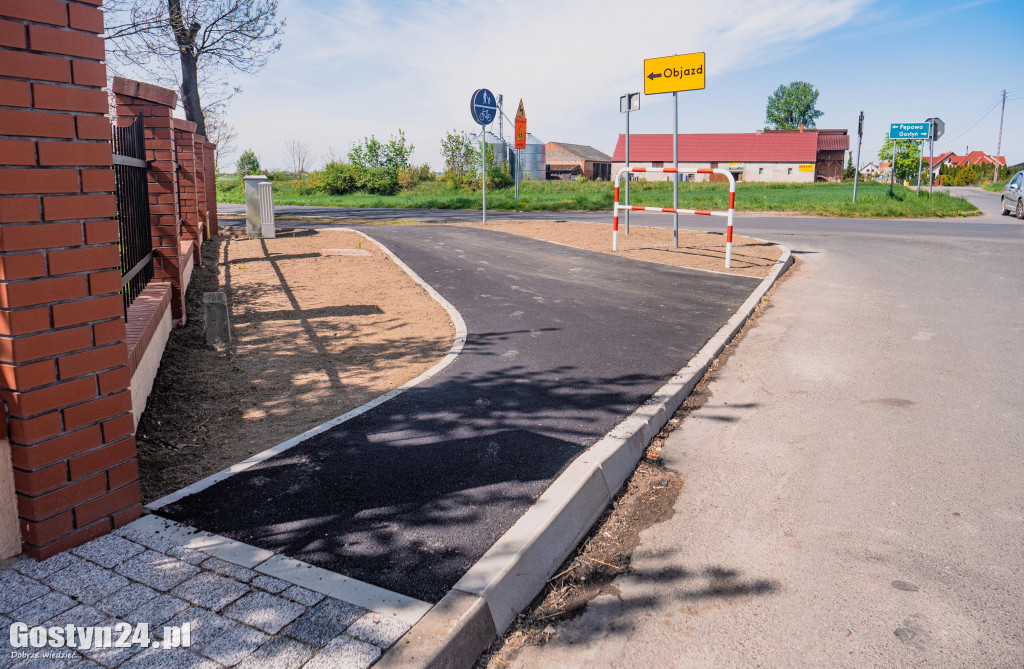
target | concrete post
[
  {"x": 266, "y": 195},
  {"x": 253, "y": 224}
]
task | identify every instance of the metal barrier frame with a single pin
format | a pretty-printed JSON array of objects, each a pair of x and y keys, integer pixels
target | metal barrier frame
[{"x": 698, "y": 212}]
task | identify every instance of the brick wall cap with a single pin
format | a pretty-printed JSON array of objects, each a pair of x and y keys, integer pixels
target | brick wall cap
[
  {"x": 143, "y": 91},
  {"x": 183, "y": 125}
]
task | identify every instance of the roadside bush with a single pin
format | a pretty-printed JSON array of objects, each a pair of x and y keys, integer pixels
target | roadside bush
[
  {"x": 965, "y": 176},
  {"x": 499, "y": 176},
  {"x": 409, "y": 177},
  {"x": 377, "y": 180},
  {"x": 311, "y": 184},
  {"x": 278, "y": 175},
  {"x": 338, "y": 178}
]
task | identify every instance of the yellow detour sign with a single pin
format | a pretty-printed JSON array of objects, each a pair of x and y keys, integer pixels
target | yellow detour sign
[
  {"x": 806, "y": 167},
  {"x": 674, "y": 73},
  {"x": 521, "y": 127}
]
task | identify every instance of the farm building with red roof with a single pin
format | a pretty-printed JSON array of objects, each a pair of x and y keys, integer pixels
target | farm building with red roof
[{"x": 772, "y": 155}]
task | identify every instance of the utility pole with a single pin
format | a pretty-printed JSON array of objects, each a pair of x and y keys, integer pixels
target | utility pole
[
  {"x": 860, "y": 138},
  {"x": 999, "y": 146},
  {"x": 892, "y": 167}
]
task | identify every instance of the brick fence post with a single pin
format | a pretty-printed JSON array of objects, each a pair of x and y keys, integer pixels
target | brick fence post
[
  {"x": 155, "y": 104},
  {"x": 63, "y": 360},
  {"x": 200, "y": 172},
  {"x": 185, "y": 140},
  {"x": 211, "y": 186}
]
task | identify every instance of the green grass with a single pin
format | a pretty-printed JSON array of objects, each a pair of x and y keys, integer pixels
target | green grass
[
  {"x": 998, "y": 186},
  {"x": 873, "y": 199}
]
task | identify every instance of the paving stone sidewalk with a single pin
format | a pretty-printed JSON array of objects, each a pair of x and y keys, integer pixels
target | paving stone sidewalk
[{"x": 239, "y": 617}]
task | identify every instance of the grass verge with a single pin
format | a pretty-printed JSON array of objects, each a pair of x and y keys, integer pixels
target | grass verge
[{"x": 822, "y": 199}]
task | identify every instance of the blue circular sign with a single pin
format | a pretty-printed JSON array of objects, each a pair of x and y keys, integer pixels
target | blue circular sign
[{"x": 483, "y": 107}]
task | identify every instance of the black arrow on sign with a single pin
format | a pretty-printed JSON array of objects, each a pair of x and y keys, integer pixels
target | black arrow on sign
[{"x": 652, "y": 76}]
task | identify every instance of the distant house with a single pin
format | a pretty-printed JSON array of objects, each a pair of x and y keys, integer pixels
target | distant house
[
  {"x": 567, "y": 161},
  {"x": 870, "y": 170},
  {"x": 972, "y": 158},
  {"x": 771, "y": 155}
]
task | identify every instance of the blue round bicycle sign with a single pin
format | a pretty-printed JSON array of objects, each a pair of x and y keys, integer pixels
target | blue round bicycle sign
[{"x": 483, "y": 106}]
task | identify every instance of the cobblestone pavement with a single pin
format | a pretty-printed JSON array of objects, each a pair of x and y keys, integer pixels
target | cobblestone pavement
[{"x": 151, "y": 572}]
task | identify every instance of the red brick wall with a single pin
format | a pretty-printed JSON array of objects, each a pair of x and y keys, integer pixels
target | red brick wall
[
  {"x": 63, "y": 360},
  {"x": 155, "y": 104}
]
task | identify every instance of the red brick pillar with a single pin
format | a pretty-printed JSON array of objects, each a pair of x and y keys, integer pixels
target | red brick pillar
[
  {"x": 155, "y": 104},
  {"x": 200, "y": 172},
  {"x": 185, "y": 140},
  {"x": 63, "y": 360},
  {"x": 211, "y": 186}
]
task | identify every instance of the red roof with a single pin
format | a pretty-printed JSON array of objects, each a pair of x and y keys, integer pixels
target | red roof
[
  {"x": 972, "y": 158},
  {"x": 795, "y": 147}
]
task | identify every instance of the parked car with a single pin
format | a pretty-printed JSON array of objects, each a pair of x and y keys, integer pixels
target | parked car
[{"x": 1013, "y": 196}]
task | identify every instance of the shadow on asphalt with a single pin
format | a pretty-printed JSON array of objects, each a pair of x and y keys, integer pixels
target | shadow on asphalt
[{"x": 396, "y": 497}]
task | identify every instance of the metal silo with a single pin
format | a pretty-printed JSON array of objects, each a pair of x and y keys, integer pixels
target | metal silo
[{"x": 534, "y": 158}]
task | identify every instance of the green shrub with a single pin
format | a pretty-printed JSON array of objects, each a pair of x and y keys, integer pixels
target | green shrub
[
  {"x": 339, "y": 178},
  {"x": 311, "y": 184},
  {"x": 965, "y": 176},
  {"x": 499, "y": 176},
  {"x": 377, "y": 180},
  {"x": 410, "y": 177},
  {"x": 248, "y": 163}
]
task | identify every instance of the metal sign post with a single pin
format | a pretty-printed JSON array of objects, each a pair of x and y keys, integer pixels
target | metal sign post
[
  {"x": 920, "y": 131},
  {"x": 629, "y": 102},
  {"x": 520, "y": 125},
  {"x": 672, "y": 74},
  {"x": 484, "y": 109},
  {"x": 675, "y": 164},
  {"x": 936, "y": 129},
  {"x": 920, "y": 163},
  {"x": 860, "y": 138}
]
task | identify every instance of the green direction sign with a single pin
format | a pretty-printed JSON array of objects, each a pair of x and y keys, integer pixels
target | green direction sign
[{"x": 908, "y": 131}]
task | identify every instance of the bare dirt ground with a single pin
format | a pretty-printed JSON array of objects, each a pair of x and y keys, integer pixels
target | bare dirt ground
[
  {"x": 697, "y": 250},
  {"x": 647, "y": 498},
  {"x": 322, "y": 323}
]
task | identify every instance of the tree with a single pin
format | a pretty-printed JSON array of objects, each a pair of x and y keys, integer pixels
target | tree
[
  {"x": 207, "y": 38},
  {"x": 300, "y": 155},
  {"x": 850, "y": 172},
  {"x": 248, "y": 163},
  {"x": 372, "y": 153},
  {"x": 908, "y": 153},
  {"x": 460, "y": 158},
  {"x": 793, "y": 105},
  {"x": 965, "y": 176}
]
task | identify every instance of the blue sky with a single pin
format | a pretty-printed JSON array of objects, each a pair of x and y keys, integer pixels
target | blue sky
[{"x": 351, "y": 68}]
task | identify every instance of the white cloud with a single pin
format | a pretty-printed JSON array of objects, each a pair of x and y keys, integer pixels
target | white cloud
[{"x": 356, "y": 67}]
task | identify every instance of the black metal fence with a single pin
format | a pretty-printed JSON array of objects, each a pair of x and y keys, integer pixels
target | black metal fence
[{"x": 133, "y": 210}]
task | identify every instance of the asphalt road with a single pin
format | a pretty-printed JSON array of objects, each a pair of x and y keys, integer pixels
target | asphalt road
[
  {"x": 562, "y": 345},
  {"x": 854, "y": 488}
]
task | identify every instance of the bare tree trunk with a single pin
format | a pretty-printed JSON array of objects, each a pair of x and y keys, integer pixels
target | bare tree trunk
[{"x": 186, "y": 39}]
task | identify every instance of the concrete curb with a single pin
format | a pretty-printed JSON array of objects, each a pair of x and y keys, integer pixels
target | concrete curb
[
  {"x": 449, "y": 358},
  {"x": 515, "y": 569}
]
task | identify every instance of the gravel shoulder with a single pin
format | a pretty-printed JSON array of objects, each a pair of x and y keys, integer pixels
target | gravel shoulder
[
  {"x": 697, "y": 250},
  {"x": 323, "y": 321}
]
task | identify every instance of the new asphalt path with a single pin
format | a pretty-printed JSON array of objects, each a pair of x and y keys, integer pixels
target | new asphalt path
[{"x": 562, "y": 344}]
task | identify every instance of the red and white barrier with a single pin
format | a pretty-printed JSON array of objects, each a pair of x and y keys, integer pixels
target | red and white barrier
[{"x": 698, "y": 212}]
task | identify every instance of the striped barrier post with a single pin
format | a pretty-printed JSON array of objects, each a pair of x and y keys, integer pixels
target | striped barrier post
[{"x": 728, "y": 215}]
